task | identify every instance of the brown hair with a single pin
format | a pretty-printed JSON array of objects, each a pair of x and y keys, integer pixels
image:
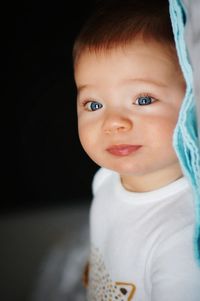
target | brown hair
[{"x": 117, "y": 22}]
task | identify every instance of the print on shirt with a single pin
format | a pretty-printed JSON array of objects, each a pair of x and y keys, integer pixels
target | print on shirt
[{"x": 101, "y": 287}]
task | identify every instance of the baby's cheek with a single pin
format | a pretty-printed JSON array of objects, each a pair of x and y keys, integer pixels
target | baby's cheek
[
  {"x": 162, "y": 130},
  {"x": 87, "y": 139},
  {"x": 83, "y": 133}
]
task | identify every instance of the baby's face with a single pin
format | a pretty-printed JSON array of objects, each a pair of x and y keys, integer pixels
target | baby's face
[{"x": 128, "y": 103}]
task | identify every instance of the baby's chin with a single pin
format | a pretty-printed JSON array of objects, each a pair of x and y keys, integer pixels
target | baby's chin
[
  {"x": 126, "y": 169},
  {"x": 143, "y": 171}
]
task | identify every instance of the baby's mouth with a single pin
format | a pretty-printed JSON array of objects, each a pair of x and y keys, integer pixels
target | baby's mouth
[{"x": 123, "y": 149}]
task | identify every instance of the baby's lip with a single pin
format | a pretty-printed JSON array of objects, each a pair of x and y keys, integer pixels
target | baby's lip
[{"x": 123, "y": 149}]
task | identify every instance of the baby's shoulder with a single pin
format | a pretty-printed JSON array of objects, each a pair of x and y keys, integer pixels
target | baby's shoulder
[{"x": 100, "y": 177}]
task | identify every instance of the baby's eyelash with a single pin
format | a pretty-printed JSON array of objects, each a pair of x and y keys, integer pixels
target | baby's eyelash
[
  {"x": 145, "y": 99},
  {"x": 85, "y": 101},
  {"x": 91, "y": 105}
]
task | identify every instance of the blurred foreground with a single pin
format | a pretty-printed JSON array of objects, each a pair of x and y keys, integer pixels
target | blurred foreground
[{"x": 43, "y": 253}]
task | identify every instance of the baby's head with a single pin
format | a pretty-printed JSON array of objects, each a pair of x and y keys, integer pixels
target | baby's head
[
  {"x": 130, "y": 88},
  {"x": 116, "y": 23}
]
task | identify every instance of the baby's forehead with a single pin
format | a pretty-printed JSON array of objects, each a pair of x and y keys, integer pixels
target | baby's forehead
[
  {"x": 136, "y": 60},
  {"x": 138, "y": 43}
]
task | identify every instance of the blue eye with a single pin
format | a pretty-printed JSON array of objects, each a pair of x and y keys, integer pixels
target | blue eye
[
  {"x": 144, "y": 100},
  {"x": 93, "y": 105}
]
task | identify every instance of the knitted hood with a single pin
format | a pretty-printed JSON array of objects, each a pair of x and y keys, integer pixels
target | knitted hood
[{"x": 186, "y": 138}]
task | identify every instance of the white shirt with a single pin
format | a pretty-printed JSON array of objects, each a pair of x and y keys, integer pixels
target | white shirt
[{"x": 142, "y": 243}]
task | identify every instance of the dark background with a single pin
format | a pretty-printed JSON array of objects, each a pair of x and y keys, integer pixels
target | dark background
[
  {"x": 46, "y": 178},
  {"x": 52, "y": 168}
]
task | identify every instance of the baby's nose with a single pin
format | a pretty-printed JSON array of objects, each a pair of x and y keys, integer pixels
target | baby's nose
[{"x": 116, "y": 124}]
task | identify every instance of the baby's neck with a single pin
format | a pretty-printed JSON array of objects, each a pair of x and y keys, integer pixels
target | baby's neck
[{"x": 150, "y": 182}]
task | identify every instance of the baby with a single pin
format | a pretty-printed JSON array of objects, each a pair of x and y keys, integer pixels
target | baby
[{"x": 130, "y": 89}]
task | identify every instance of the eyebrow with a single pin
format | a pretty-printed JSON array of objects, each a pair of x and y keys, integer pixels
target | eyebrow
[
  {"x": 82, "y": 87},
  {"x": 146, "y": 81},
  {"x": 131, "y": 80}
]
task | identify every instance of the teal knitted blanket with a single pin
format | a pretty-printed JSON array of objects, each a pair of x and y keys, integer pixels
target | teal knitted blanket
[{"x": 186, "y": 137}]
